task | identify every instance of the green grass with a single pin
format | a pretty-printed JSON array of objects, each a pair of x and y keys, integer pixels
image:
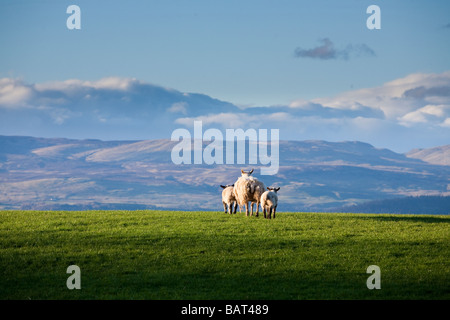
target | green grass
[{"x": 212, "y": 255}]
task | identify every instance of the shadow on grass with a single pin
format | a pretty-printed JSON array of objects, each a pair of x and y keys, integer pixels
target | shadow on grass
[{"x": 427, "y": 219}]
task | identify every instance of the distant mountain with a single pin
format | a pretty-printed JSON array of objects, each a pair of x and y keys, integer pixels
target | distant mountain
[
  {"x": 37, "y": 173},
  {"x": 405, "y": 205},
  {"x": 437, "y": 155}
]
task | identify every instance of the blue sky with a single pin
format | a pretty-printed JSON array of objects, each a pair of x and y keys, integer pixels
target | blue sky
[
  {"x": 238, "y": 51},
  {"x": 243, "y": 52}
]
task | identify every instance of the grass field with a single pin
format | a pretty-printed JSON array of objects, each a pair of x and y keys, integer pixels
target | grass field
[{"x": 212, "y": 255}]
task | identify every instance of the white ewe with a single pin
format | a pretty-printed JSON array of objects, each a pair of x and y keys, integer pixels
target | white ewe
[
  {"x": 248, "y": 189},
  {"x": 269, "y": 202},
  {"x": 228, "y": 199}
]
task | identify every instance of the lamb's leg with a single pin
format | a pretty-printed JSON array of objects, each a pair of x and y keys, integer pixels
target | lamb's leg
[
  {"x": 274, "y": 210},
  {"x": 270, "y": 212},
  {"x": 224, "y": 207},
  {"x": 257, "y": 209},
  {"x": 235, "y": 206},
  {"x": 246, "y": 209},
  {"x": 264, "y": 211}
]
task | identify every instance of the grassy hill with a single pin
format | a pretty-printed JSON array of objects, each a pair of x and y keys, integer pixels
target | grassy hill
[{"x": 212, "y": 255}]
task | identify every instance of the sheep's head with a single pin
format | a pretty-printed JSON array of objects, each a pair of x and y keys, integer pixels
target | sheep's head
[
  {"x": 273, "y": 189},
  {"x": 246, "y": 174}
]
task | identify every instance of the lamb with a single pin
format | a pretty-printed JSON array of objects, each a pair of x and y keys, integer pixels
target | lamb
[
  {"x": 269, "y": 202},
  {"x": 248, "y": 189},
  {"x": 228, "y": 199}
]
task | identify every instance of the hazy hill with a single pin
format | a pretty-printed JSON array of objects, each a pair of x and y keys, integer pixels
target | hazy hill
[
  {"x": 437, "y": 155},
  {"x": 38, "y": 173},
  {"x": 405, "y": 205}
]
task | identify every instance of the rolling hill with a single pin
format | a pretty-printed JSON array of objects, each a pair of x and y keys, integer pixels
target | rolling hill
[
  {"x": 38, "y": 173},
  {"x": 437, "y": 155}
]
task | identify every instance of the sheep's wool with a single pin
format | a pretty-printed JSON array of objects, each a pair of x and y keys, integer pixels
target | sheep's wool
[{"x": 248, "y": 188}]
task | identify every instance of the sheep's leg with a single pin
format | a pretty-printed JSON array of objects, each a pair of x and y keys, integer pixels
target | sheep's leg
[
  {"x": 264, "y": 211},
  {"x": 274, "y": 210},
  {"x": 224, "y": 207},
  {"x": 251, "y": 203},
  {"x": 235, "y": 206},
  {"x": 270, "y": 212},
  {"x": 257, "y": 209}
]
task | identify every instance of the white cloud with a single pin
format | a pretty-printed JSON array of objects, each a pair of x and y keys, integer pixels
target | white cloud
[
  {"x": 14, "y": 93},
  {"x": 428, "y": 114},
  {"x": 396, "y": 110},
  {"x": 178, "y": 107},
  {"x": 112, "y": 83},
  {"x": 242, "y": 120},
  {"x": 438, "y": 111},
  {"x": 229, "y": 120},
  {"x": 300, "y": 104},
  {"x": 397, "y": 99},
  {"x": 73, "y": 85}
]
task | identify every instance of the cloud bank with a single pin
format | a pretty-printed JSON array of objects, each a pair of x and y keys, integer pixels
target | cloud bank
[{"x": 405, "y": 113}]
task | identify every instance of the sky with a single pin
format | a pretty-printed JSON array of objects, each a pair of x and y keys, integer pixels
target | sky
[{"x": 289, "y": 56}]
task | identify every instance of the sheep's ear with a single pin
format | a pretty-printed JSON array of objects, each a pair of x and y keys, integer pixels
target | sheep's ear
[
  {"x": 251, "y": 171},
  {"x": 232, "y": 185},
  {"x": 269, "y": 188},
  {"x": 242, "y": 171},
  {"x": 223, "y": 186},
  {"x": 276, "y": 189}
]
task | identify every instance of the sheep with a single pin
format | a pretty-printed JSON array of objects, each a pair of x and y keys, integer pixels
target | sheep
[
  {"x": 228, "y": 199},
  {"x": 248, "y": 189},
  {"x": 269, "y": 202}
]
